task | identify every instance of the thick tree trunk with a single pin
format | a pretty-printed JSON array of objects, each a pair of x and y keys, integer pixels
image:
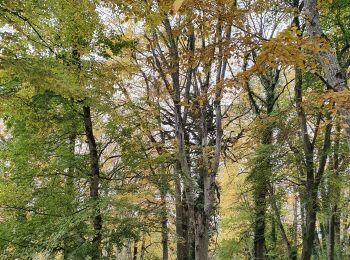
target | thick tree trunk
[
  {"x": 259, "y": 230},
  {"x": 309, "y": 235},
  {"x": 94, "y": 184},
  {"x": 262, "y": 180},
  {"x": 189, "y": 229},
  {"x": 189, "y": 183},
  {"x": 333, "y": 73},
  {"x": 184, "y": 229},
  {"x": 260, "y": 194},
  {"x": 201, "y": 236},
  {"x": 204, "y": 203}
]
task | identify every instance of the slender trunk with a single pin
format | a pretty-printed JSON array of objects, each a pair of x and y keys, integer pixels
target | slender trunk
[
  {"x": 334, "y": 222},
  {"x": 331, "y": 235},
  {"x": 295, "y": 228},
  {"x": 164, "y": 217},
  {"x": 143, "y": 249},
  {"x": 310, "y": 196},
  {"x": 128, "y": 254},
  {"x": 310, "y": 193},
  {"x": 324, "y": 246},
  {"x": 70, "y": 190},
  {"x": 312, "y": 185},
  {"x": 345, "y": 231},
  {"x": 317, "y": 249},
  {"x": 94, "y": 184},
  {"x": 291, "y": 254},
  {"x": 337, "y": 245},
  {"x": 180, "y": 239},
  {"x": 135, "y": 250},
  {"x": 302, "y": 214},
  {"x": 273, "y": 232}
]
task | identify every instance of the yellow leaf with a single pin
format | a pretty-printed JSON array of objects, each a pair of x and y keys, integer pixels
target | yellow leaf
[
  {"x": 176, "y": 6},
  {"x": 183, "y": 103}
]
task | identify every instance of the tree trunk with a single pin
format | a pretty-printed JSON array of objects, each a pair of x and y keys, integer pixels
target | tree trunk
[
  {"x": 134, "y": 257},
  {"x": 179, "y": 220},
  {"x": 310, "y": 195},
  {"x": 259, "y": 230},
  {"x": 67, "y": 248},
  {"x": 334, "y": 222},
  {"x": 188, "y": 225},
  {"x": 333, "y": 73},
  {"x": 295, "y": 228},
  {"x": 260, "y": 194},
  {"x": 201, "y": 236},
  {"x": 332, "y": 234},
  {"x": 204, "y": 202},
  {"x": 143, "y": 249},
  {"x": 94, "y": 184},
  {"x": 309, "y": 235},
  {"x": 128, "y": 254},
  {"x": 324, "y": 245},
  {"x": 291, "y": 254},
  {"x": 164, "y": 217},
  {"x": 313, "y": 178}
]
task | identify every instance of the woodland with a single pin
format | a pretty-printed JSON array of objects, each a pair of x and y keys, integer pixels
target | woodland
[{"x": 174, "y": 129}]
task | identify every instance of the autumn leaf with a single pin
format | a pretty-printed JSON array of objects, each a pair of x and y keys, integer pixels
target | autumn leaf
[{"x": 176, "y": 6}]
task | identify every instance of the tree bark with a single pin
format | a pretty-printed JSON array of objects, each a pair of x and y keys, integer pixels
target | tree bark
[
  {"x": 313, "y": 178},
  {"x": 134, "y": 255},
  {"x": 67, "y": 248},
  {"x": 310, "y": 196},
  {"x": 291, "y": 253},
  {"x": 179, "y": 220},
  {"x": 262, "y": 178},
  {"x": 331, "y": 235},
  {"x": 334, "y": 222},
  {"x": 94, "y": 184},
  {"x": 164, "y": 216},
  {"x": 333, "y": 73},
  {"x": 201, "y": 236},
  {"x": 260, "y": 194},
  {"x": 143, "y": 249},
  {"x": 295, "y": 228}
]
